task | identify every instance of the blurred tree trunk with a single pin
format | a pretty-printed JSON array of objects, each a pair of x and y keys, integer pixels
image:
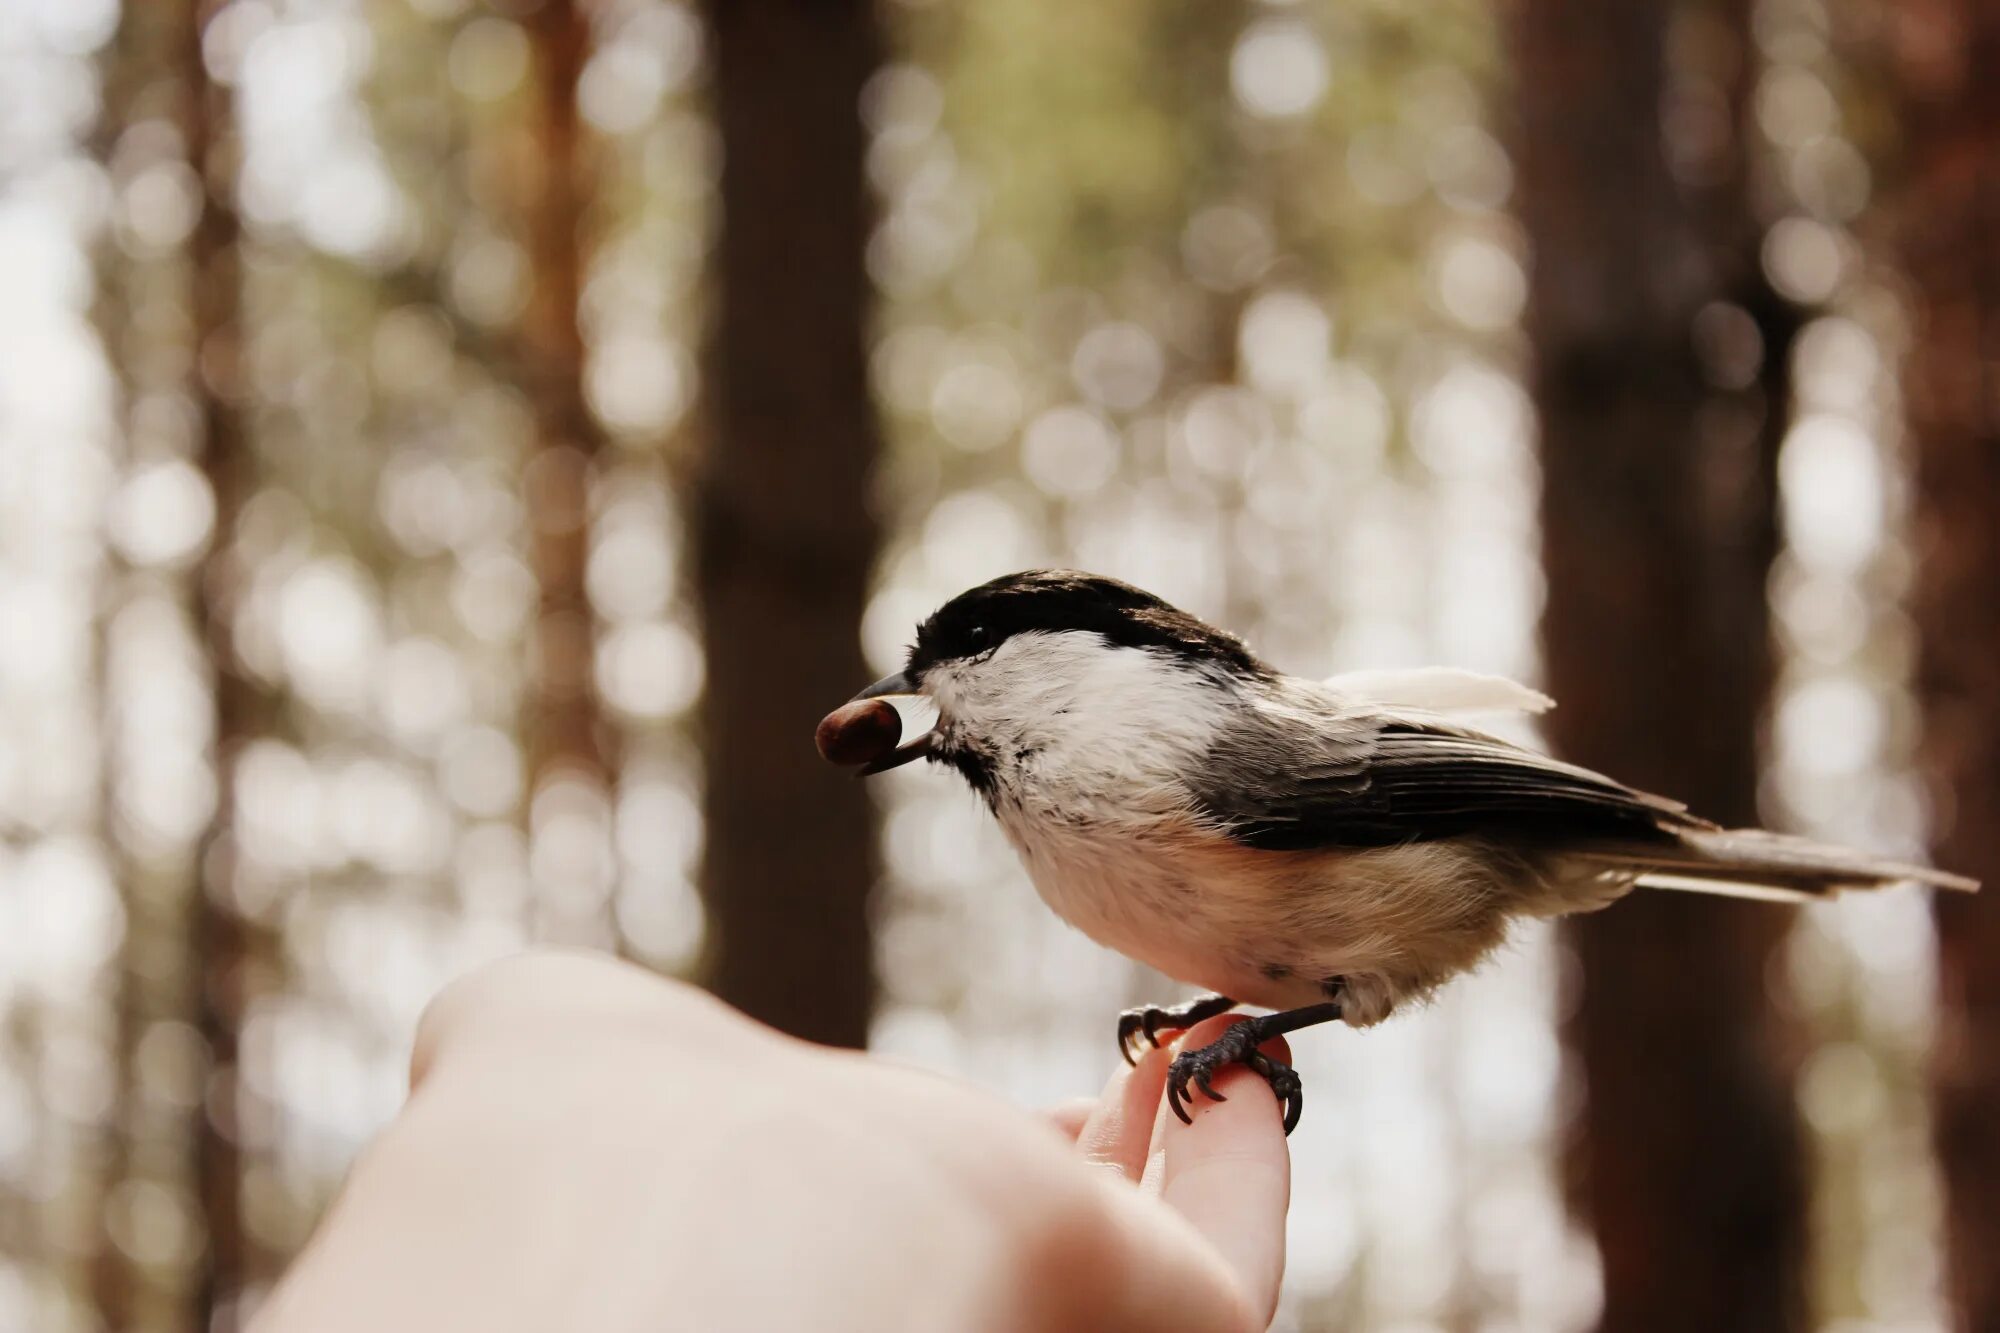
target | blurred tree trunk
[
  {"x": 113, "y": 1278},
  {"x": 127, "y": 66},
  {"x": 565, "y": 729},
  {"x": 1946, "y": 60},
  {"x": 567, "y": 737},
  {"x": 223, "y": 947},
  {"x": 1658, "y": 534},
  {"x": 785, "y": 535}
]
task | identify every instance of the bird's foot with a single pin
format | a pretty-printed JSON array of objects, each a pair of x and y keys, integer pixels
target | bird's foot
[
  {"x": 1238, "y": 1046},
  {"x": 1147, "y": 1022}
]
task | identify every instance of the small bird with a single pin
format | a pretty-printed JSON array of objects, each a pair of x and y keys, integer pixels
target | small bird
[{"x": 1328, "y": 850}]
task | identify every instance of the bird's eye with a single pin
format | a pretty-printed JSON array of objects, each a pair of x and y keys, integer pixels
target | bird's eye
[{"x": 977, "y": 637}]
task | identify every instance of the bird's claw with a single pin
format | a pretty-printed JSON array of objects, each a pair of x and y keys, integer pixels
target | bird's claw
[
  {"x": 1148, "y": 1021},
  {"x": 1143, "y": 1024},
  {"x": 1285, "y": 1086},
  {"x": 1236, "y": 1046},
  {"x": 1135, "y": 1025}
]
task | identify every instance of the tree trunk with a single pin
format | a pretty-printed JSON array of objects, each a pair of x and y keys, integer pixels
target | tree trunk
[
  {"x": 1658, "y": 534},
  {"x": 132, "y": 58},
  {"x": 566, "y": 732},
  {"x": 564, "y": 729},
  {"x": 1950, "y": 243},
  {"x": 222, "y": 949},
  {"x": 785, "y": 537}
]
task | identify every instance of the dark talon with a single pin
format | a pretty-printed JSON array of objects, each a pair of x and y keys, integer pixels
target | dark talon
[
  {"x": 1149, "y": 1021},
  {"x": 1129, "y": 1024},
  {"x": 1238, "y": 1045},
  {"x": 1285, "y": 1085}
]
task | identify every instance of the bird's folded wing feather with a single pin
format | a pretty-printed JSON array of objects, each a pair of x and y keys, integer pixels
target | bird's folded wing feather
[
  {"x": 1332, "y": 776},
  {"x": 1440, "y": 690}
]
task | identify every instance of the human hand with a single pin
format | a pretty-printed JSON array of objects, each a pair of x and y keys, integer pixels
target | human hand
[{"x": 589, "y": 1147}]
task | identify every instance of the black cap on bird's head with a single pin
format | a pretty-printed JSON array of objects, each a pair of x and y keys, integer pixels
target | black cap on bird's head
[{"x": 976, "y": 623}]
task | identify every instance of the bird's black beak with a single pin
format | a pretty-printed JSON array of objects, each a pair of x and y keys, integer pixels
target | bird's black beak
[
  {"x": 894, "y": 687},
  {"x": 886, "y": 687}
]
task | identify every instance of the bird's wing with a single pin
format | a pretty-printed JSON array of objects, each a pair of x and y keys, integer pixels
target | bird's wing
[
  {"x": 1440, "y": 690},
  {"x": 1314, "y": 772}
]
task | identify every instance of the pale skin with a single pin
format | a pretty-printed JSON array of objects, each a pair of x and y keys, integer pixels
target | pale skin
[{"x": 587, "y": 1146}]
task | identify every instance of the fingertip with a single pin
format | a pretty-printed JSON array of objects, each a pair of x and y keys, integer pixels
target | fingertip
[
  {"x": 1211, "y": 1030},
  {"x": 1120, "y": 1129},
  {"x": 1229, "y": 1172},
  {"x": 1069, "y": 1117}
]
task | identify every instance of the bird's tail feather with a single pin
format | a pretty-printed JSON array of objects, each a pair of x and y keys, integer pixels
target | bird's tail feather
[{"x": 1751, "y": 863}]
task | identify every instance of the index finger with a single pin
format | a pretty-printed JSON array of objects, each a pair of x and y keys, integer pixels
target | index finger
[{"x": 1229, "y": 1173}]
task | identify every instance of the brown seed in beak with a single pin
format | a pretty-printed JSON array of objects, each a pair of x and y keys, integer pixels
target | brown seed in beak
[{"x": 861, "y": 732}]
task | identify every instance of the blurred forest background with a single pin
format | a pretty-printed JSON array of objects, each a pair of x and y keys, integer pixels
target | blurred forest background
[{"x": 447, "y": 449}]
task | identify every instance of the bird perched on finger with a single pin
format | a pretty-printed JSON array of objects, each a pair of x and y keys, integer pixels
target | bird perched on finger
[{"x": 1325, "y": 849}]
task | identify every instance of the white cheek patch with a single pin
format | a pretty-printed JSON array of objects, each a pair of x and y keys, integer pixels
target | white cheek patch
[
  {"x": 1027, "y": 681},
  {"x": 1095, "y": 715}
]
